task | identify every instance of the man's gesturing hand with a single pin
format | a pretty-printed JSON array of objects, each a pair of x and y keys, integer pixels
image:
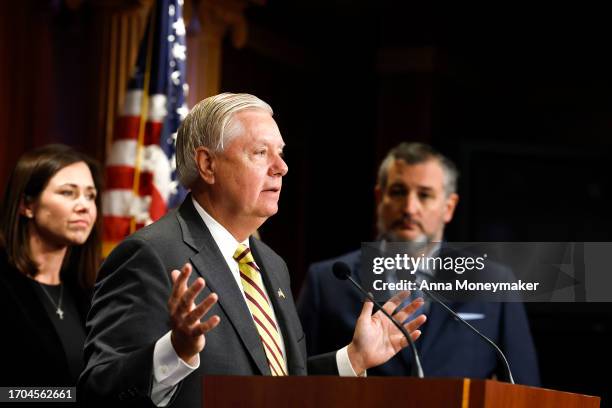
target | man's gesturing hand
[
  {"x": 376, "y": 339},
  {"x": 187, "y": 329}
]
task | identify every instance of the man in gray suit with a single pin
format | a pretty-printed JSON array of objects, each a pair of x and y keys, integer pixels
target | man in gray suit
[{"x": 147, "y": 344}]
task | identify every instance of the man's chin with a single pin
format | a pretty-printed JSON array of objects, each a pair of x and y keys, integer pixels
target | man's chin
[
  {"x": 268, "y": 211},
  {"x": 409, "y": 236}
]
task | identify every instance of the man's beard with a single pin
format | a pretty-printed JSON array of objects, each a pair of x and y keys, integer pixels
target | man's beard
[
  {"x": 421, "y": 239},
  {"x": 390, "y": 236},
  {"x": 415, "y": 246}
]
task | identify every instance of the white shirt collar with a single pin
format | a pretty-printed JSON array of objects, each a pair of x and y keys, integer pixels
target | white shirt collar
[{"x": 225, "y": 241}]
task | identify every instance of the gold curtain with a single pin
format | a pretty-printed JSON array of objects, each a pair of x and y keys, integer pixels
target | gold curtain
[{"x": 120, "y": 27}]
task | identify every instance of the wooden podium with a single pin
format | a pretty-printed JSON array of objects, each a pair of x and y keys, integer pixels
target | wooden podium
[{"x": 324, "y": 391}]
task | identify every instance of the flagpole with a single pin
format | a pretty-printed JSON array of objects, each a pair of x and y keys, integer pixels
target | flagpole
[{"x": 144, "y": 113}]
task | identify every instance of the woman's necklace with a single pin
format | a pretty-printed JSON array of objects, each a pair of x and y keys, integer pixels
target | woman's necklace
[{"x": 58, "y": 305}]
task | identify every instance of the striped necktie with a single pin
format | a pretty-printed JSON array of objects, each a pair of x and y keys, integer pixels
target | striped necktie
[{"x": 260, "y": 308}]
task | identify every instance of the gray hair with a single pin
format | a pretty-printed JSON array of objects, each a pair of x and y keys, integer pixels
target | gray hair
[
  {"x": 210, "y": 125},
  {"x": 415, "y": 153}
]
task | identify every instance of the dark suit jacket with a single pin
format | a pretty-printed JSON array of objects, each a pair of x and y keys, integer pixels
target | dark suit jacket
[
  {"x": 33, "y": 354},
  {"x": 129, "y": 313},
  {"x": 329, "y": 309}
]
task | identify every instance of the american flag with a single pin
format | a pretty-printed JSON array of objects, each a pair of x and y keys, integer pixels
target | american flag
[{"x": 141, "y": 182}]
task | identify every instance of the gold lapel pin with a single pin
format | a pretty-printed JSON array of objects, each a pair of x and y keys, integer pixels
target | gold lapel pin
[{"x": 280, "y": 293}]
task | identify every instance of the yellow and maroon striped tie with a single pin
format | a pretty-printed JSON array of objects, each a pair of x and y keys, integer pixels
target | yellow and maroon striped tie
[{"x": 260, "y": 308}]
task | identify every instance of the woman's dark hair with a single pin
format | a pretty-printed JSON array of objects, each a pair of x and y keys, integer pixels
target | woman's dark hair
[{"x": 28, "y": 180}]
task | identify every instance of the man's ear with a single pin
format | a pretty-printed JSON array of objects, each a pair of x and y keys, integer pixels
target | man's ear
[
  {"x": 378, "y": 194},
  {"x": 451, "y": 204},
  {"x": 205, "y": 160}
]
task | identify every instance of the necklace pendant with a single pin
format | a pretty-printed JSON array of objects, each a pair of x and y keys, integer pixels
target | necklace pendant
[{"x": 60, "y": 313}]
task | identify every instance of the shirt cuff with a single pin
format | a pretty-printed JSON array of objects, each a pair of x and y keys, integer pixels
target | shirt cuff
[
  {"x": 168, "y": 370},
  {"x": 345, "y": 369}
]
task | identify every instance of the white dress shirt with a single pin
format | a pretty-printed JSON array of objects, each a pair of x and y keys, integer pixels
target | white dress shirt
[{"x": 168, "y": 368}]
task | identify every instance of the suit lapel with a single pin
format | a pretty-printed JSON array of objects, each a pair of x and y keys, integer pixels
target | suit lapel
[
  {"x": 438, "y": 316},
  {"x": 436, "y": 319},
  {"x": 210, "y": 264},
  {"x": 284, "y": 310}
]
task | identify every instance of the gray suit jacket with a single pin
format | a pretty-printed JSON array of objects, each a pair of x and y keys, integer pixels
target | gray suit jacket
[{"x": 129, "y": 314}]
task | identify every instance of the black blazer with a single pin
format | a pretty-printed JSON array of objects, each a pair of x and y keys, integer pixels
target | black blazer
[
  {"x": 33, "y": 352},
  {"x": 129, "y": 314}
]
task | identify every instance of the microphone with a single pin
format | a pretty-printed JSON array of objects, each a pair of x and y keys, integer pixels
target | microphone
[
  {"x": 472, "y": 328},
  {"x": 343, "y": 272}
]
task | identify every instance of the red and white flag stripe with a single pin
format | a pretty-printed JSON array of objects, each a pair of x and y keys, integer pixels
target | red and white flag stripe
[{"x": 124, "y": 203}]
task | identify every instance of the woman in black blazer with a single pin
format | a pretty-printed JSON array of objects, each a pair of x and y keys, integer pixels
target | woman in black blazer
[{"x": 49, "y": 254}]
